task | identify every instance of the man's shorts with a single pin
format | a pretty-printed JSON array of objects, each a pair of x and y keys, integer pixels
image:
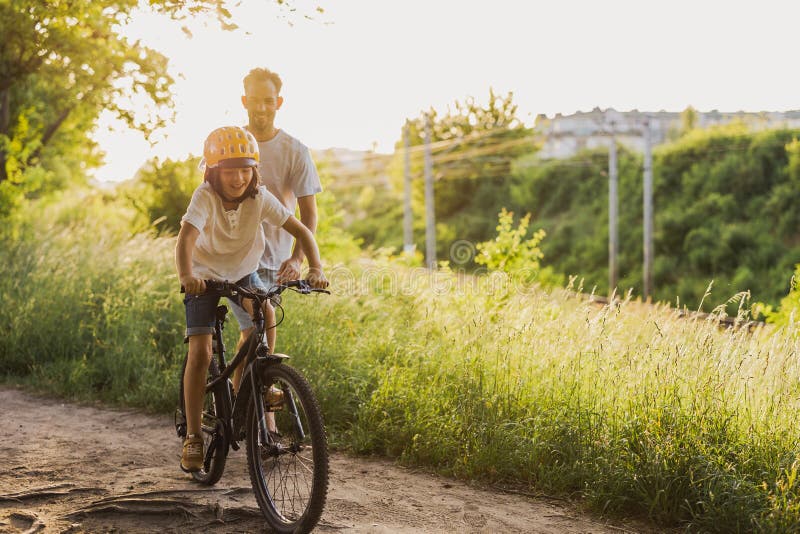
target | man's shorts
[
  {"x": 267, "y": 278},
  {"x": 201, "y": 309}
]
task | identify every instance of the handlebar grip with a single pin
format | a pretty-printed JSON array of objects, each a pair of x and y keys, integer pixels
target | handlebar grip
[
  {"x": 216, "y": 285},
  {"x": 210, "y": 284}
]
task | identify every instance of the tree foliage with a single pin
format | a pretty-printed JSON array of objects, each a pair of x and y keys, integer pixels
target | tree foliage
[
  {"x": 161, "y": 191},
  {"x": 725, "y": 204},
  {"x": 725, "y": 210},
  {"x": 473, "y": 147},
  {"x": 61, "y": 64}
]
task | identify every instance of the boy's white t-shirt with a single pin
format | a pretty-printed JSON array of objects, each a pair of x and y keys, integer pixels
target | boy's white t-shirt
[{"x": 231, "y": 241}]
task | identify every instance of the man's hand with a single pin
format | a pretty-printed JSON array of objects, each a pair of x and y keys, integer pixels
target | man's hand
[
  {"x": 193, "y": 285},
  {"x": 289, "y": 270},
  {"x": 316, "y": 278}
]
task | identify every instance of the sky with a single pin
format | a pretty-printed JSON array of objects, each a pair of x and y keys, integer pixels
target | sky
[{"x": 354, "y": 73}]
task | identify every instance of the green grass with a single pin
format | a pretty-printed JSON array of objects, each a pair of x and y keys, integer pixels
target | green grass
[
  {"x": 89, "y": 310},
  {"x": 631, "y": 407}
]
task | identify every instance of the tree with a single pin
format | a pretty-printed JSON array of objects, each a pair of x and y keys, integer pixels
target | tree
[
  {"x": 161, "y": 191},
  {"x": 61, "y": 64},
  {"x": 688, "y": 119},
  {"x": 472, "y": 141},
  {"x": 473, "y": 147},
  {"x": 725, "y": 212}
]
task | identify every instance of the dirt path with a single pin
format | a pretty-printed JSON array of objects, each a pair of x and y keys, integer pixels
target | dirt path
[{"x": 71, "y": 468}]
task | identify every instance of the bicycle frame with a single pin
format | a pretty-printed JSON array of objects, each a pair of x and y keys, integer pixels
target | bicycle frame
[{"x": 255, "y": 356}]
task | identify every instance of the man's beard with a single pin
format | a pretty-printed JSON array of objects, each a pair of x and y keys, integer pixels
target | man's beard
[{"x": 261, "y": 122}]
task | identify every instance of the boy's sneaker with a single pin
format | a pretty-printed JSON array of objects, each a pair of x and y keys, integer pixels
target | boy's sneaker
[
  {"x": 273, "y": 398},
  {"x": 192, "y": 456}
]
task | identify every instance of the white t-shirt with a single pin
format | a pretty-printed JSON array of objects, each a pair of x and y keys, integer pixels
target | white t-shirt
[
  {"x": 230, "y": 241},
  {"x": 288, "y": 172}
]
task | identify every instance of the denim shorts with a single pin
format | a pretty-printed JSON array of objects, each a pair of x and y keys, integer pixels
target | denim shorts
[
  {"x": 201, "y": 309},
  {"x": 267, "y": 278}
]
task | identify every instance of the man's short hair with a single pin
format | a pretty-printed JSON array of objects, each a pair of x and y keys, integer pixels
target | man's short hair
[{"x": 262, "y": 75}]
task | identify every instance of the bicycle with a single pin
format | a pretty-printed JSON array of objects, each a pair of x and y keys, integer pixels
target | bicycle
[{"x": 288, "y": 463}]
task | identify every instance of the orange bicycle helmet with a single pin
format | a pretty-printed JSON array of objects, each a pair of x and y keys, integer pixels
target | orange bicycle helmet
[{"x": 230, "y": 146}]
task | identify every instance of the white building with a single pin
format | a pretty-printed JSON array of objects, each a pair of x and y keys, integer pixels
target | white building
[{"x": 565, "y": 135}]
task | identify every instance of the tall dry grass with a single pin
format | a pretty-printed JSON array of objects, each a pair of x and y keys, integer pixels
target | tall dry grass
[{"x": 633, "y": 407}]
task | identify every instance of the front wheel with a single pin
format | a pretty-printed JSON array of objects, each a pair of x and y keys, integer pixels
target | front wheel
[{"x": 289, "y": 473}]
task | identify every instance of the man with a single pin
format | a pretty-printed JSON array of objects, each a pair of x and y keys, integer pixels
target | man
[{"x": 288, "y": 172}]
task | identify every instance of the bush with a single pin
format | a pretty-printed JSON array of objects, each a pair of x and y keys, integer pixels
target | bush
[
  {"x": 788, "y": 312},
  {"x": 510, "y": 252}
]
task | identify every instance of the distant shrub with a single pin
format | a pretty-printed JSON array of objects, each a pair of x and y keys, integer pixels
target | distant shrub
[{"x": 514, "y": 253}]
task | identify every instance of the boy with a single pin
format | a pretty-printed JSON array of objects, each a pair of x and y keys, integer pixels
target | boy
[{"x": 221, "y": 239}]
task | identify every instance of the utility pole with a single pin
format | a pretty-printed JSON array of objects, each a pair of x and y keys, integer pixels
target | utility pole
[
  {"x": 613, "y": 203},
  {"x": 430, "y": 217},
  {"x": 647, "y": 274},
  {"x": 408, "y": 237}
]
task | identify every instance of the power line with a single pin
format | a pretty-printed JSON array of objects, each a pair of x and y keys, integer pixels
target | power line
[
  {"x": 440, "y": 146},
  {"x": 435, "y": 146},
  {"x": 378, "y": 177},
  {"x": 485, "y": 150}
]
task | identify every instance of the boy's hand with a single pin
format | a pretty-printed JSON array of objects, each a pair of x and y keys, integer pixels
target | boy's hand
[
  {"x": 289, "y": 270},
  {"x": 316, "y": 278},
  {"x": 193, "y": 285}
]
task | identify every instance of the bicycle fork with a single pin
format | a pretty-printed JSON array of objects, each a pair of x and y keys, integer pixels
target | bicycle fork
[
  {"x": 263, "y": 431},
  {"x": 263, "y": 434},
  {"x": 287, "y": 394}
]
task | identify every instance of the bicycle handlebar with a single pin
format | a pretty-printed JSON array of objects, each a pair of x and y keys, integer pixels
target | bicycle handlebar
[{"x": 230, "y": 288}]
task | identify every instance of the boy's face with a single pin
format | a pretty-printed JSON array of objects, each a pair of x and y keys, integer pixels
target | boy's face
[{"x": 234, "y": 181}]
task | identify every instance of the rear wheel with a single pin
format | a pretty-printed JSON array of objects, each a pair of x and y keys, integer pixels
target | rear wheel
[
  {"x": 289, "y": 474},
  {"x": 215, "y": 440}
]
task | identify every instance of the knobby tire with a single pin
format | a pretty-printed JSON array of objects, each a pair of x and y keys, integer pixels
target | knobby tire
[{"x": 290, "y": 486}]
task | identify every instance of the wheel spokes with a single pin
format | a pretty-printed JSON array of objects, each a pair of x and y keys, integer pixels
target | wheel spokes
[{"x": 289, "y": 469}]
